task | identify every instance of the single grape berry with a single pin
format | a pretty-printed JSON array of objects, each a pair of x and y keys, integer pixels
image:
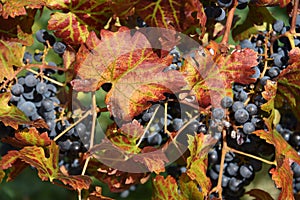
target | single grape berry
[
  {"x": 41, "y": 88},
  {"x": 220, "y": 14},
  {"x": 31, "y": 80},
  {"x": 251, "y": 108},
  {"x": 59, "y": 47},
  {"x": 278, "y": 25},
  {"x": 17, "y": 89},
  {"x": 224, "y": 3},
  {"x": 40, "y": 35},
  {"x": 248, "y": 127},
  {"x": 226, "y": 102},
  {"x": 256, "y": 73},
  {"x": 237, "y": 105},
  {"x": 28, "y": 108},
  {"x": 27, "y": 58},
  {"x": 218, "y": 113},
  {"x": 241, "y": 116}
]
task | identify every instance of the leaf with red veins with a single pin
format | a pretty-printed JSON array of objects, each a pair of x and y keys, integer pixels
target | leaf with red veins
[
  {"x": 29, "y": 137},
  {"x": 210, "y": 74},
  {"x": 97, "y": 195},
  {"x": 189, "y": 188},
  {"x": 154, "y": 159},
  {"x": 11, "y": 54},
  {"x": 172, "y": 14},
  {"x": 165, "y": 188},
  {"x": 289, "y": 83},
  {"x": 14, "y": 8},
  {"x": 199, "y": 147},
  {"x": 68, "y": 27},
  {"x": 126, "y": 137},
  {"x": 11, "y": 115},
  {"x": 77, "y": 182},
  {"x": 128, "y": 62},
  {"x": 284, "y": 156},
  {"x": 73, "y": 25}
]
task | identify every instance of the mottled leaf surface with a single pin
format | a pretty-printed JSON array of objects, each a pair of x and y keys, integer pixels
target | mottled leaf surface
[
  {"x": 188, "y": 188},
  {"x": 281, "y": 3},
  {"x": 97, "y": 195},
  {"x": 165, "y": 188},
  {"x": 210, "y": 74},
  {"x": 289, "y": 83},
  {"x": 128, "y": 62},
  {"x": 259, "y": 194}
]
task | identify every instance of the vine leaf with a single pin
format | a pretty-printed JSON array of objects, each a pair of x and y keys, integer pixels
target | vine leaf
[
  {"x": 255, "y": 18},
  {"x": 29, "y": 137},
  {"x": 73, "y": 25},
  {"x": 165, "y": 188},
  {"x": 2, "y": 174},
  {"x": 11, "y": 54},
  {"x": 11, "y": 115},
  {"x": 46, "y": 163},
  {"x": 269, "y": 94},
  {"x": 67, "y": 27},
  {"x": 210, "y": 74},
  {"x": 97, "y": 195},
  {"x": 128, "y": 62},
  {"x": 259, "y": 194},
  {"x": 284, "y": 156},
  {"x": 117, "y": 181},
  {"x": 189, "y": 188},
  {"x": 289, "y": 83},
  {"x": 14, "y": 8},
  {"x": 281, "y": 3},
  {"x": 170, "y": 14},
  {"x": 199, "y": 147}
]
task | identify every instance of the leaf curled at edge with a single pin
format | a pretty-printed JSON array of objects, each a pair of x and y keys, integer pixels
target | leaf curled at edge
[
  {"x": 189, "y": 188},
  {"x": 288, "y": 86},
  {"x": 129, "y": 63},
  {"x": 97, "y": 195},
  {"x": 199, "y": 146},
  {"x": 259, "y": 194},
  {"x": 284, "y": 155},
  {"x": 270, "y": 94},
  {"x": 47, "y": 167},
  {"x": 14, "y": 8},
  {"x": 28, "y": 137},
  {"x": 165, "y": 188}
]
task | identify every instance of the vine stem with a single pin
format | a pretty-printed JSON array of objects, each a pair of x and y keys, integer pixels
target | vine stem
[
  {"x": 294, "y": 17},
  {"x": 252, "y": 156},
  {"x": 46, "y": 77},
  {"x": 229, "y": 21},
  {"x": 72, "y": 125},
  {"x": 93, "y": 129},
  {"x": 147, "y": 127}
]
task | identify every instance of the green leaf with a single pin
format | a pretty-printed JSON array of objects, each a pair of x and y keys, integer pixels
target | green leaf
[
  {"x": 14, "y": 8},
  {"x": 2, "y": 174},
  {"x": 256, "y": 17},
  {"x": 11, "y": 115},
  {"x": 128, "y": 62},
  {"x": 189, "y": 189},
  {"x": 199, "y": 147},
  {"x": 289, "y": 83},
  {"x": 165, "y": 188}
]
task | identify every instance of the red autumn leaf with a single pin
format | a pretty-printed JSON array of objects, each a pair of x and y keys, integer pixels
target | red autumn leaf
[
  {"x": 259, "y": 194},
  {"x": 289, "y": 83},
  {"x": 46, "y": 163},
  {"x": 128, "y": 62},
  {"x": 11, "y": 54},
  {"x": 172, "y": 14},
  {"x": 165, "y": 188},
  {"x": 14, "y": 8},
  {"x": 11, "y": 115},
  {"x": 269, "y": 94},
  {"x": 74, "y": 25},
  {"x": 29, "y": 137},
  {"x": 210, "y": 74},
  {"x": 199, "y": 147},
  {"x": 284, "y": 156},
  {"x": 117, "y": 181},
  {"x": 97, "y": 195},
  {"x": 16, "y": 169}
]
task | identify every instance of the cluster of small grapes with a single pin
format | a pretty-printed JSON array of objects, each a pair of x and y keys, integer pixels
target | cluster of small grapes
[{"x": 217, "y": 11}]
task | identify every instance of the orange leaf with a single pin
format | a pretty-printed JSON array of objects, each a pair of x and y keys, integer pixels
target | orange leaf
[{"x": 165, "y": 188}]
